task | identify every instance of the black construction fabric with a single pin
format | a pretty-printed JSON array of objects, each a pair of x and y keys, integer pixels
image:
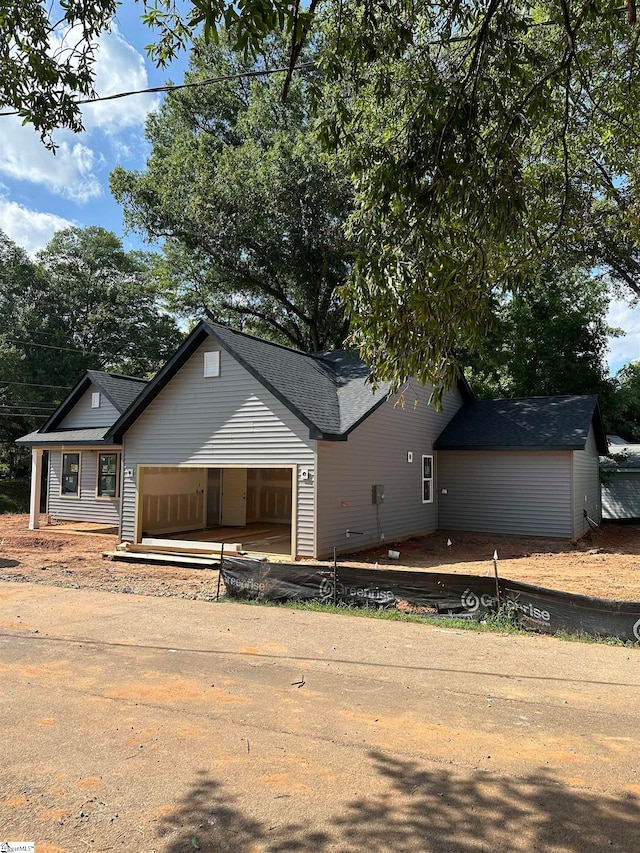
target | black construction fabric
[{"x": 543, "y": 610}]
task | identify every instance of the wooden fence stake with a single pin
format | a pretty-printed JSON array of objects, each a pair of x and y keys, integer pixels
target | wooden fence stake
[{"x": 220, "y": 571}]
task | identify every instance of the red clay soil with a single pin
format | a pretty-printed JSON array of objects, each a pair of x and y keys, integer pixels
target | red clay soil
[
  {"x": 605, "y": 564},
  {"x": 55, "y": 557}
]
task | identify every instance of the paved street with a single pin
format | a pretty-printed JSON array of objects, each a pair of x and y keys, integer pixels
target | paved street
[{"x": 149, "y": 724}]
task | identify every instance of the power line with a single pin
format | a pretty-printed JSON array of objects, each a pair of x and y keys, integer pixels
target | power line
[
  {"x": 14, "y": 404},
  {"x": 196, "y": 83},
  {"x": 31, "y": 384},
  {"x": 19, "y": 404},
  {"x": 44, "y": 346}
]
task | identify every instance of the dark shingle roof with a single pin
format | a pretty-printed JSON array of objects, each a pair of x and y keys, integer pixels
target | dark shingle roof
[
  {"x": 534, "y": 423},
  {"x": 120, "y": 390},
  {"x": 327, "y": 390},
  {"x": 67, "y": 437}
]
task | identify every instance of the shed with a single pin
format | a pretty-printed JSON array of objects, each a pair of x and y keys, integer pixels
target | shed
[{"x": 621, "y": 482}]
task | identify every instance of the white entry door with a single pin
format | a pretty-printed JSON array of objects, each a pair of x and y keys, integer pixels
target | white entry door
[{"x": 234, "y": 497}]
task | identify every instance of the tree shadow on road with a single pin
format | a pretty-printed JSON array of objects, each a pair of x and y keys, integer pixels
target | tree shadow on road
[{"x": 418, "y": 809}]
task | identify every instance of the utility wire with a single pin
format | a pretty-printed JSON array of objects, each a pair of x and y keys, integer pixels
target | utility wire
[
  {"x": 173, "y": 88},
  {"x": 44, "y": 346},
  {"x": 31, "y": 384},
  {"x": 18, "y": 404}
]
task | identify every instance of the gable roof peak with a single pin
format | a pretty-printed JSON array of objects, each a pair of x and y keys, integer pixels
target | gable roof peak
[{"x": 119, "y": 390}]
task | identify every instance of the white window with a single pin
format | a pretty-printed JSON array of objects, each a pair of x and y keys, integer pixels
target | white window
[
  {"x": 427, "y": 479},
  {"x": 212, "y": 364},
  {"x": 70, "y": 480},
  {"x": 108, "y": 470},
  {"x": 95, "y": 400}
]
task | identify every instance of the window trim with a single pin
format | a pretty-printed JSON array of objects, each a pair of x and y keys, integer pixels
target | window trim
[
  {"x": 430, "y": 479},
  {"x": 118, "y": 455},
  {"x": 70, "y": 496}
]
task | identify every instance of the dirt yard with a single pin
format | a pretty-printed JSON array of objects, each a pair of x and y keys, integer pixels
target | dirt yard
[
  {"x": 157, "y": 725},
  {"x": 605, "y": 565}
]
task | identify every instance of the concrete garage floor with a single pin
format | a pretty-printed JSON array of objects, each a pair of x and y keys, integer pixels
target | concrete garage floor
[
  {"x": 158, "y": 724},
  {"x": 259, "y": 537}
]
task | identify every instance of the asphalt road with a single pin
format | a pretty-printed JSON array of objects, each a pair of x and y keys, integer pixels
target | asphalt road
[{"x": 157, "y": 724}]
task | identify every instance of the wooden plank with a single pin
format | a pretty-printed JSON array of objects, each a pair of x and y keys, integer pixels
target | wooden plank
[
  {"x": 188, "y": 546},
  {"x": 145, "y": 557}
]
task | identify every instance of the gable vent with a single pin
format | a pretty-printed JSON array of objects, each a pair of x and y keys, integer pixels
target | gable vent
[
  {"x": 95, "y": 400},
  {"x": 212, "y": 364}
]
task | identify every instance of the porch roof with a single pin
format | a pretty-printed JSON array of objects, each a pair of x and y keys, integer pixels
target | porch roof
[{"x": 67, "y": 438}]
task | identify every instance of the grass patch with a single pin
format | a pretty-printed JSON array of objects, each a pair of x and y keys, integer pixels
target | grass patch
[
  {"x": 583, "y": 637},
  {"x": 14, "y": 496},
  {"x": 495, "y": 623},
  {"x": 504, "y": 621}
]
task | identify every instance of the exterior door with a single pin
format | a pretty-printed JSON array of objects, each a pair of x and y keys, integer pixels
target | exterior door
[{"x": 234, "y": 497}]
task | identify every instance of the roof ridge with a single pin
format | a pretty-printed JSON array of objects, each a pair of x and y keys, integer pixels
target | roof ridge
[
  {"x": 319, "y": 362},
  {"x": 539, "y": 397},
  {"x": 262, "y": 340},
  {"x": 117, "y": 375}
]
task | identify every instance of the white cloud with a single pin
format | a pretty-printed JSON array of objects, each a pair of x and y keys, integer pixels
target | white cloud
[
  {"x": 31, "y": 229},
  {"x": 78, "y": 169},
  {"x": 627, "y": 348},
  {"x": 70, "y": 172},
  {"x": 119, "y": 68}
]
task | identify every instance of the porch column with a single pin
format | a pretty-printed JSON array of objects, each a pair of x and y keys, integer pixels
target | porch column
[{"x": 36, "y": 479}]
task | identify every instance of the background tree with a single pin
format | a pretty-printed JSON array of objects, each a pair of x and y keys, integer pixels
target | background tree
[
  {"x": 85, "y": 303},
  {"x": 477, "y": 136},
  {"x": 550, "y": 339},
  {"x": 24, "y": 401},
  {"x": 102, "y": 302},
  {"x": 251, "y": 211},
  {"x": 623, "y": 413}
]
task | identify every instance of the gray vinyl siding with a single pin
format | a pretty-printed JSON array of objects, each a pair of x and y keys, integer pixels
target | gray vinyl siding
[
  {"x": 87, "y": 507},
  {"x": 586, "y": 484},
  {"x": 82, "y": 415},
  {"x": 227, "y": 420},
  {"x": 376, "y": 453},
  {"x": 514, "y": 492},
  {"x": 621, "y": 495}
]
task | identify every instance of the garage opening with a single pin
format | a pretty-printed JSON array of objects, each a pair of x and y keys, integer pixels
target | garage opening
[{"x": 252, "y": 507}]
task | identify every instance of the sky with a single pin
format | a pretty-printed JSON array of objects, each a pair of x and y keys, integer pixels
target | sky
[{"x": 41, "y": 193}]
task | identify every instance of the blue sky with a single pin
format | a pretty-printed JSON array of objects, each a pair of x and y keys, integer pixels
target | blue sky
[{"x": 41, "y": 192}]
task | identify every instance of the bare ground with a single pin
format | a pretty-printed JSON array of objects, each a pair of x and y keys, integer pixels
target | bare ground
[
  {"x": 605, "y": 564},
  {"x": 130, "y": 723}
]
